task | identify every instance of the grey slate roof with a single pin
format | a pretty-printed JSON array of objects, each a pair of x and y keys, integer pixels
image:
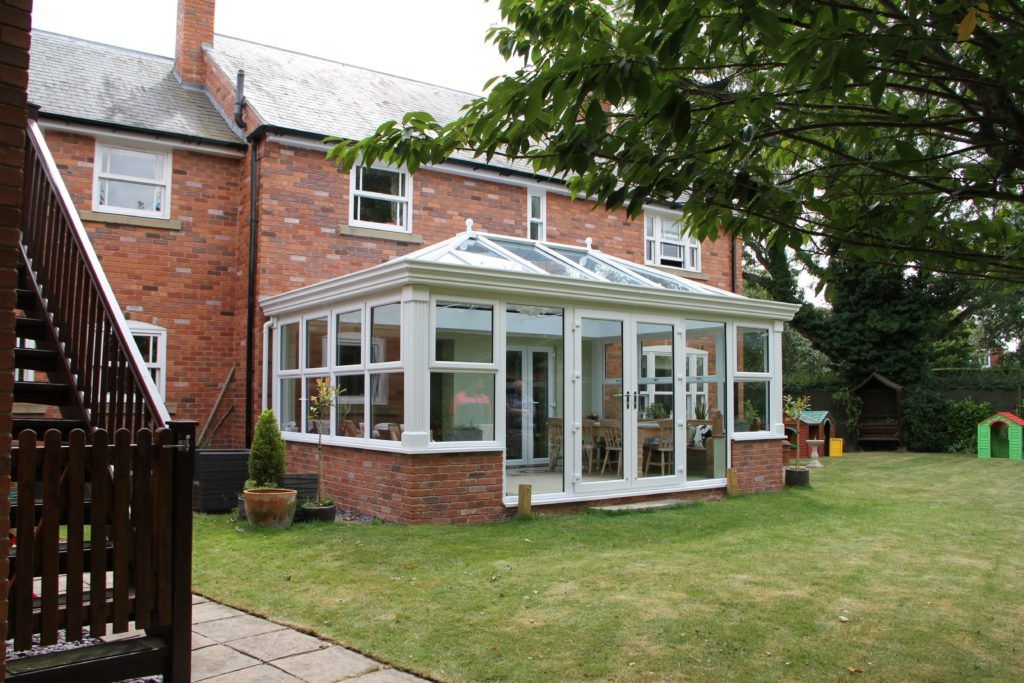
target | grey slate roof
[{"x": 102, "y": 83}]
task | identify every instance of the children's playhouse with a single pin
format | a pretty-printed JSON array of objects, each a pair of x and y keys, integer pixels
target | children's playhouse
[{"x": 1000, "y": 436}]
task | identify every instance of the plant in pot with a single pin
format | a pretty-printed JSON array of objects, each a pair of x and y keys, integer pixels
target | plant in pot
[
  {"x": 793, "y": 407},
  {"x": 265, "y": 504},
  {"x": 320, "y": 405},
  {"x": 700, "y": 410}
]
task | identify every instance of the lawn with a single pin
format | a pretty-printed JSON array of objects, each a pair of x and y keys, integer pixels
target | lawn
[{"x": 902, "y": 566}]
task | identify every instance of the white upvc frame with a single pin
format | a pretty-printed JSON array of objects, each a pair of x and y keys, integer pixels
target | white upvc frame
[
  {"x": 354, "y": 177},
  {"x": 774, "y": 427},
  {"x": 690, "y": 245},
  {"x": 158, "y": 335},
  {"x": 98, "y": 175},
  {"x": 540, "y": 221}
]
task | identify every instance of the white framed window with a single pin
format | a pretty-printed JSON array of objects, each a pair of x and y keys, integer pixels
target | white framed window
[
  {"x": 133, "y": 181},
  {"x": 152, "y": 343},
  {"x": 667, "y": 243},
  {"x": 753, "y": 380},
  {"x": 380, "y": 198},
  {"x": 537, "y": 209},
  {"x": 696, "y": 391}
]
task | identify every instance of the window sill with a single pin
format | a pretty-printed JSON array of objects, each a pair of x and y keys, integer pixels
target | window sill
[
  {"x": 681, "y": 272},
  {"x": 757, "y": 436},
  {"x": 133, "y": 221},
  {"x": 383, "y": 445},
  {"x": 375, "y": 233}
]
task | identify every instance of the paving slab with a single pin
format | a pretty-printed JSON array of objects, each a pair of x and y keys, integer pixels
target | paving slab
[
  {"x": 387, "y": 675},
  {"x": 198, "y": 599},
  {"x": 199, "y": 641},
  {"x": 218, "y": 659},
  {"x": 233, "y": 628},
  {"x": 278, "y": 644},
  {"x": 327, "y": 666},
  {"x": 264, "y": 673},
  {"x": 208, "y": 611}
]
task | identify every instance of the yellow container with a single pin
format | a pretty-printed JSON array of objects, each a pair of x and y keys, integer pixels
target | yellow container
[{"x": 835, "y": 448}]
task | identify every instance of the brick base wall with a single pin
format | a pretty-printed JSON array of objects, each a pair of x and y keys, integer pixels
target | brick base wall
[
  {"x": 414, "y": 489},
  {"x": 758, "y": 465}
]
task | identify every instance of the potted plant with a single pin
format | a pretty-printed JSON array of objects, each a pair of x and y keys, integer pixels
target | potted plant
[
  {"x": 700, "y": 410},
  {"x": 467, "y": 432},
  {"x": 320, "y": 405},
  {"x": 266, "y": 504},
  {"x": 793, "y": 407},
  {"x": 655, "y": 411}
]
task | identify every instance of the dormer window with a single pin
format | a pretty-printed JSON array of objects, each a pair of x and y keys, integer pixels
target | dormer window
[
  {"x": 381, "y": 198},
  {"x": 132, "y": 181},
  {"x": 667, "y": 243}
]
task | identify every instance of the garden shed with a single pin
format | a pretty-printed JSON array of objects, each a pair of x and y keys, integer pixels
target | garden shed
[
  {"x": 484, "y": 362},
  {"x": 880, "y": 411},
  {"x": 1001, "y": 436}
]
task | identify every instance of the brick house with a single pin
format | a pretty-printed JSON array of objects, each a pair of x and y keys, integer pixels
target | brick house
[{"x": 546, "y": 345}]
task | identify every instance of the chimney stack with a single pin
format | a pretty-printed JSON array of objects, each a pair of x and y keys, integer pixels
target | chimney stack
[{"x": 194, "y": 27}]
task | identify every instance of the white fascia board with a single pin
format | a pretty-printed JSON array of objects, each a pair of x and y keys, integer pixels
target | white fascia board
[
  {"x": 154, "y": 140},
  {"x": 363, "y": 284}
]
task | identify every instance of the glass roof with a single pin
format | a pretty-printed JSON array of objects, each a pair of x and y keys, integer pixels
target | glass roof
[{"x": 499, "y": 252}]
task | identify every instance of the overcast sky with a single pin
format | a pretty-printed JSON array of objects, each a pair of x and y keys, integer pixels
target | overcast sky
[{"x": 438, "y": 41}]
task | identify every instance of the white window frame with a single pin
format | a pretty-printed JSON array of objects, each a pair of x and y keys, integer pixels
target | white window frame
[
  {"x": 98, "y": 175},
  {"x": 654, "y": 222},
  {"x": 540, "y": 221},
  {"x": 773, "y": 377},
  {"x": 355, "y": 174},
  {"x": 159, "y": 335},
  {"x": 696, "y": 383}
]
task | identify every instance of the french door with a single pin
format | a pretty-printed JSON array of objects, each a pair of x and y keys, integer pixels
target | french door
[
  {"x": 531, "y": 400},
  {"x": 627, "y": 433}
]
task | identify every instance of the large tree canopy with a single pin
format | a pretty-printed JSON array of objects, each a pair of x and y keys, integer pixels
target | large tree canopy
[{"x": 893, "y": 127}]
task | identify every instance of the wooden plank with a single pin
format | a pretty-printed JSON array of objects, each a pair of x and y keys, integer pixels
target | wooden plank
[
  {"x": 25, "y": 561},
  {"x": 98, "y": 510},
  {"x": 163, "y": 527},
  {"x": 77, "y": 453},
  {"x": 122, "y": 526},
  {"x": 525, "y": 505},
  {"x": 123, "y": 659},
  {"x": 142, "y": 514},
  {"x": 49, "y": 535},
  {"x": 184, "y": 434}
]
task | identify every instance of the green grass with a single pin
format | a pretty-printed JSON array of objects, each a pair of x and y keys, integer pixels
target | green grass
[{"x": 923, "y": 554}]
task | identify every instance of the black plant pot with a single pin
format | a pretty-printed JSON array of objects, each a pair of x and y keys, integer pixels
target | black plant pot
[
  {"x": 798, "y": 476},
  {"x": 319, "y": 513}
]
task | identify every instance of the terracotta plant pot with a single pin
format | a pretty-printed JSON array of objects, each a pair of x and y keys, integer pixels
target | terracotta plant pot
[{"x": 271, "y": 508}]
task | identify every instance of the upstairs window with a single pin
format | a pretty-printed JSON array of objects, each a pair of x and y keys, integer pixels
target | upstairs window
[
  {"x": 381, "y": 198},
  {"x": 666, "y": 243},
  {"x": 537, "y": 218},
  {"x": 132, "y": 181}
]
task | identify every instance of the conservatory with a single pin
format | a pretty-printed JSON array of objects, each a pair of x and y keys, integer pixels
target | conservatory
[{"x": 579, "y": 373}]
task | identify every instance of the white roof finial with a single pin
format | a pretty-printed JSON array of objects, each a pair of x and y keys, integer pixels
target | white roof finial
[
  {"x": 590, "y": 243},
  {"x": 469, "y": 225}
]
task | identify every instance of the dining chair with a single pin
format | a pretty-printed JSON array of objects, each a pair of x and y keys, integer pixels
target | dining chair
[
  {"x": 612, "y": 448},
  {"x": 556, "y": 442},
  {"x": 661, "y": 454},
  {"x": 590, "y": 453}
]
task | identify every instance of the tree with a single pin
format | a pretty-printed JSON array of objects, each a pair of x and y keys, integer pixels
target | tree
[
  {"x": 266, "y": 455},
  {"x": 892, "y": 127}
]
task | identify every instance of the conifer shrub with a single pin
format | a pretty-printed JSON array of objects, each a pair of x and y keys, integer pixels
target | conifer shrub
[{"x": 266, "y": 456}]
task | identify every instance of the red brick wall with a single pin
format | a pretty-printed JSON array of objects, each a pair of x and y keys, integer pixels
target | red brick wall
[
  {"x": 186, "y": 280},
  {"x": 758, "y": 465},
  {"x": 15, "y": 24},
  {"x": 194, "y": 27},
  {"x": 414, "y": 489}
]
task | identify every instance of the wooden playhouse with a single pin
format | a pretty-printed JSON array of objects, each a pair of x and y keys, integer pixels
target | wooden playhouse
[{"x": 1001, "y": 436}]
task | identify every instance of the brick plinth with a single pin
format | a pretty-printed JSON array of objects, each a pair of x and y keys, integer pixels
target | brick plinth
[
  {"x": 758, "y": 465},
  {"x": 416, "y": 489}
]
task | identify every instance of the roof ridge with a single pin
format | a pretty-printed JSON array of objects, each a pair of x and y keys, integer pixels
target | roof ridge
[
  {"x": 346, "y": 64},
  {"x": 120, "y": 48}
]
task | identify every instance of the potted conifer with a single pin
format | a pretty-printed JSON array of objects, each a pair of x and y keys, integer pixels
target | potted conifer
[
  {"x": 320, "y": 405},
  {"x": 793, "y": 407},
  {"x": 266, "y": 504}
]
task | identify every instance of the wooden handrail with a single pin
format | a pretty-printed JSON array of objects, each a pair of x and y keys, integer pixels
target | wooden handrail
[{"x": 115, "y": 388}]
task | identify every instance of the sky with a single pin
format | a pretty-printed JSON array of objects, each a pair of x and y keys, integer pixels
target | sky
[{"x": 437, "y": 41}]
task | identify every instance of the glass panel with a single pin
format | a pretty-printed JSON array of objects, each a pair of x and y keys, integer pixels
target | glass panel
[
  {"x": 534, "y": 399},
  {"x": 601, "y": 364},
  {"x": 350, "y": 411},
  {"x": 606, "y": 271},
  {"x": 382, "y": 181},
  {"x": 535, "y": 206},
  {"x": 383, "y": 211},
  {"x": 538, "y": 258},
  {"x": 290, "y": 346},
  {"x": 462, "y": 406},
  {"x": 705, "y": 400},
  {"x": 316, "y": 343},
  {"x": 535, "y": 230},
  {"x": 349, "y": 338},
  {"x": 477, "y": 254},
  {"x": 387, "y": 406},
  {"x": 666, "y": 281},
  {"x": 463, "y": 332},
  {"x": 656, "y": 424},
  {"x": 316, "y": 422},
  {"x": 751, "y": 406},
  {"x": 143, "y": 342},
  {"x": 386, "y": 333},
  {"x": 753, "y": 349},
  {"x": 129, "y": 162},
  {"x": 127, "y": 195},
  {"x": 291, "y": 404}
]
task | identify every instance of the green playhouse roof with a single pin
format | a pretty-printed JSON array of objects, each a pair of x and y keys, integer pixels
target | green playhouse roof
[{"x": 814, "y": 417}]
